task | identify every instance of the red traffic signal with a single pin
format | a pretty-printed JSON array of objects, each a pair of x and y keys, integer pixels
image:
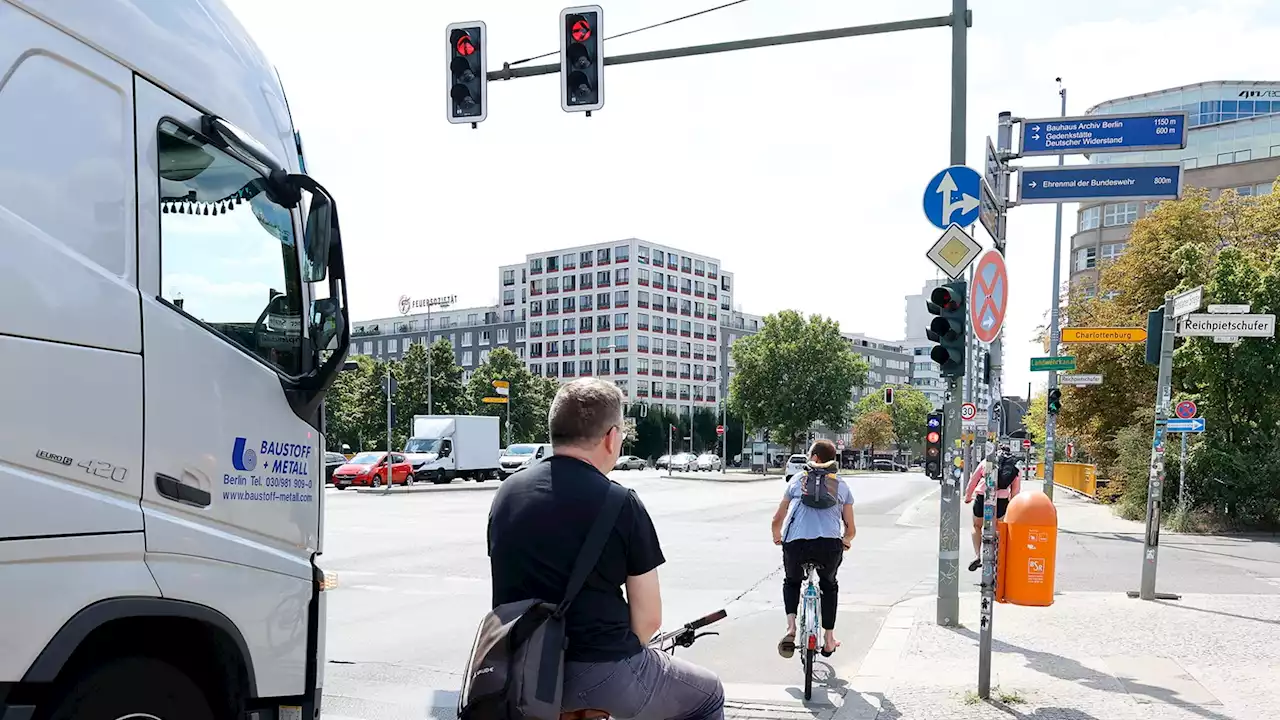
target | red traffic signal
[
  {"x": 463, "y": 45},
  {"x": 944, "y": 299},
  {"x": 933, "y": 437},
  {"x": 581, "y": 30}
]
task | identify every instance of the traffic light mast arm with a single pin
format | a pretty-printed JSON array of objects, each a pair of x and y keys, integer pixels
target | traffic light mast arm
[{"x": 509, "y": 73}]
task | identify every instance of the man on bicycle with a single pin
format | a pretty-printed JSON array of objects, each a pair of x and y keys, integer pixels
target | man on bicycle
[
  {"x": 818, "y": 502},
  {"x": 539, "y": 521}
]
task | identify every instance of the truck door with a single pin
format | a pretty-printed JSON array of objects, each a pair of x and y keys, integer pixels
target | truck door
[{"x": 231, "y": 490}]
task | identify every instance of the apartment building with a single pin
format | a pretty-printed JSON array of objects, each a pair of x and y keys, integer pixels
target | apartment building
[
  {"x": 642, "y": 314},
  {"x": 1233, "y": 142},
  {"x": 474, "y": 333}
]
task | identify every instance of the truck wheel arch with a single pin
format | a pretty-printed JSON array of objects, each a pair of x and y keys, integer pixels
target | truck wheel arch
[{"x": 71, "y": 636}]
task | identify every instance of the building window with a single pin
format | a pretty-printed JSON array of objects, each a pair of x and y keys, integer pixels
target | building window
[
  {"x": 509, "y": 277},
  {"x": 553, "y": 306},
  {"x": 569, "y": 283},
  {"x": 484, "y": 337},
  {"x": 621, "y": 275},
  {"x": 466, "y": 358},
  {"x": 466, "y": 339},
  {"x": 621, "y": 366},
  {"x": 602, "y": 300},
  {"x": 620, "y": 298},
  {"x": 622, "y": 253},
  {"x": 569, "y": 261},
  {"x": 519, "y": 333},
  {"x": 642, "y": 343},
  {"x": 584, "y": 325},
  {"x": 484, "y": 356},
  {"x": 569, "y": 303},
  {"x": 620, "y": 320},
  {"x": 535, "y": 265},
  {"x": 602, "y": 323},
  {"x": 553, "y": 284},
  {"x": 602, "y": 255},
  {"x": 584, "y": 258},
  {"x": 1111, "y": 251},
  {"x": 1125, "y": 213},
  {"x": 621, "y": 343},
  {"x": 584, "y": 303},
  {"x": 1090, "y": 218},
  {"x": 642, "y": 253},
  {"x": 1086, "y": 259},
  {"x": 508, "y": 297}
]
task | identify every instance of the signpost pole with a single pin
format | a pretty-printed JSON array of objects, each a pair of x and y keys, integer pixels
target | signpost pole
[
  {"x": 390, "y": 465},
  {"x": 968, "y": 390},
  {"x": 430, "y": 368},
  {"x": 1155, "y": 479},
  {"x": 948, "y": 607},
  {"x": 1182, "y": 474}
]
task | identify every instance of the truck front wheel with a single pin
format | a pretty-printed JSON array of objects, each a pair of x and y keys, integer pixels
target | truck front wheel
[
  {"x": 440, "y": 478},
  {"x": 133, "y": 687}
]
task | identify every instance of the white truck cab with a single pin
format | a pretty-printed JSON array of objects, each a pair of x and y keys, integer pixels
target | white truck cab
[{"x": 175, "y": 312}]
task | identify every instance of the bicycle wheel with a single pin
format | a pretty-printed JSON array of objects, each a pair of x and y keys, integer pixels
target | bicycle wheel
[{"x": 808, "y": 673}]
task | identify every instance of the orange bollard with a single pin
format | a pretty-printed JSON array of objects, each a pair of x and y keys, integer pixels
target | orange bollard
[{"x": 1028, "y": 550}]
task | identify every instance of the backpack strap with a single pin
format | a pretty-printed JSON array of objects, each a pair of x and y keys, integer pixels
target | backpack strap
[{"x": 593, "y": 546}]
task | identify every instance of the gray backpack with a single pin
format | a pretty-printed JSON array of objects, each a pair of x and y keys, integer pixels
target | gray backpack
[{"x": 516, "y": 667}]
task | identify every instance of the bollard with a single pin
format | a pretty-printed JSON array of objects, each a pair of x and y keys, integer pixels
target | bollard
[{"x": 1028, "y": 550}]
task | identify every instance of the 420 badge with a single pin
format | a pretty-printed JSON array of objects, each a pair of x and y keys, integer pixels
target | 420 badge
[{"x": 283, "y": 468}]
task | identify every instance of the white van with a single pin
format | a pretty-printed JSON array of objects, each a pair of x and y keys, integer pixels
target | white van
[{"x": 175, "y": 299}]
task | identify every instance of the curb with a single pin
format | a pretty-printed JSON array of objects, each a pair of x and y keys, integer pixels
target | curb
[
  {"x": 416, "y": 488},
  {"x": 722, "y": 479}
]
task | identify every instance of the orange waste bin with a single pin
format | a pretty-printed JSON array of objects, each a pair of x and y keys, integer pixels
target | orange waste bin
[{"x": 1028, "y": 548}]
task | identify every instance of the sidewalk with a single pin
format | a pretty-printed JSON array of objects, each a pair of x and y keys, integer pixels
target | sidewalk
[{"x": 1096, "y": 656}]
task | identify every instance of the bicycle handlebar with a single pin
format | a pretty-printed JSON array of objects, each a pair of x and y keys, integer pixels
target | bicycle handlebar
[{"x": 686, "y": 634}]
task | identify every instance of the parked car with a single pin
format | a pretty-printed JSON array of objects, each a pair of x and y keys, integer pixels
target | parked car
[
  {"x": 663, "y": 462},
  {"x": 886, "y": 465},
  {"x": 520, "y": 456},
  {"x": 332, "y": 461},
  {"x": 629, "y": 462},
  {"x": 709, "y": 462},
  {"x": 370, "y": 469},
  {"x": 684, "y": 462},
  {"x": 795, "y": 464}
]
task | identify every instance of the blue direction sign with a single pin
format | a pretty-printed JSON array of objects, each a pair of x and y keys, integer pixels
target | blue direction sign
[
  {"x": 1104, "y": 133},
  {"x": 952, "y": 197},
  {"x": 1192, "y": 425},
  {"x": 1082, "y": 183}
]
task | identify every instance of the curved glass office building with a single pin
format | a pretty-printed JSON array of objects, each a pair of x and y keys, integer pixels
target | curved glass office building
[{"x": 1233, "y": 141}]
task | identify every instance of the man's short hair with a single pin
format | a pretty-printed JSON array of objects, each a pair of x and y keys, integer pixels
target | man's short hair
[
  {"x": 584, "y": 411},
  {"x": 824, "y": 450}
]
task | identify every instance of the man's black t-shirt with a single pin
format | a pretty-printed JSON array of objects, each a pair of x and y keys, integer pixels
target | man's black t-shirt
[{"x": 538, "y": 522}]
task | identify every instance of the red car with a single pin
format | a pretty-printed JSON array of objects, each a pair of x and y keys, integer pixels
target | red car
[{"x": 369, "y": 469}]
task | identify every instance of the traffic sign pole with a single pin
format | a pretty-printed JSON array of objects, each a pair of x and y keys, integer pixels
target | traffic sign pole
[
  {"x": 1051, "y": 419},
  {"x": 1155, "y": 478}
]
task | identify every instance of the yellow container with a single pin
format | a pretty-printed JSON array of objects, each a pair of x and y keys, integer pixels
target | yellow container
[{"x": 1080, "y": 477}]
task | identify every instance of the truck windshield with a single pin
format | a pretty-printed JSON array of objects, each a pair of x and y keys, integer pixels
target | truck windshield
[
  {"x": 422, "y": 445},
  {"x": 521, "y": 449}
]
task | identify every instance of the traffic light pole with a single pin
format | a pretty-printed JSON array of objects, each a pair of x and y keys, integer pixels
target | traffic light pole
[
  {"x": 1156, "y": 473},
  {"x": 509, "y": 73},
  {"x": 1051, "y": 419}
]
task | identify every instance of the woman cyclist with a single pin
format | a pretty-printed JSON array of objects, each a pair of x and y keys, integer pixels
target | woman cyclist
[{"x": 819, "y": 502}]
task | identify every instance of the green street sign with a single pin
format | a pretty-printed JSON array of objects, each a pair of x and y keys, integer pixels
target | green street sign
[{"x": 1045, "y": 364}]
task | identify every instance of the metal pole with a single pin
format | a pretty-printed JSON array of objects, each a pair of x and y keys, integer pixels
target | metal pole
[
  {"x": 670, "y": 429},
  {"x": 1155, "y": 479},
  {"x": 430, "y": 368},
  {"x": 990, "y": 538},
  {"x": 508, "y": 404},
  {"x": 387, "y": 488},
  {"x": 1051, "y": 420},
  {"x": 948, "y": 613},
  {"x": 1182, "y": 474},
  {"x": 968, "y": 388}
]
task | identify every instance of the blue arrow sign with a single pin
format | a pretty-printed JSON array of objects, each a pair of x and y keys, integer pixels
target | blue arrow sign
[
  {"x": 1194, "y": 425},
  {"x": 1083, "y": 183},
  {"x": 952, "y": 197},
  {"x": 1104, "y": 133}
]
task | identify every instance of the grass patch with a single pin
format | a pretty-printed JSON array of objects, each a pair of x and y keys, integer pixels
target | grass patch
[{"x": 1009, "y": 697}]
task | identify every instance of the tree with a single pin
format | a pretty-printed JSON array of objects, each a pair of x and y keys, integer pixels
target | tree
[
  {"x": 874, "y": 430},
  {"x": 530, "y": 396},
  {"x": 705, "y": 421},
  {"x": 1229, "y": 246},
  {"x": 351, "y": 416},
  {"x": 651, "y": 434},
  {"x": 794, "y": 373},
  {"x": 448, "y": 396},
  {"x": 908, "y": 413}
]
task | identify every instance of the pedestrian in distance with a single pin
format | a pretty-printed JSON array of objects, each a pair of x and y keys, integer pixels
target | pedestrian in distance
[
  {"x": 817, "y": 507},
  {"x": 1008, "y": 484}
]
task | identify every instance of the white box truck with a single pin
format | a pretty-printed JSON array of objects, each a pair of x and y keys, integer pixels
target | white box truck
[
  {"x": 444, "y": 447},
  {"x": 159, "y": 544}
]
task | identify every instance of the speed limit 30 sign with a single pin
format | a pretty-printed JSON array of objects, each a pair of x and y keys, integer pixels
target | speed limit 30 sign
[{"x": 968, "y": 411}]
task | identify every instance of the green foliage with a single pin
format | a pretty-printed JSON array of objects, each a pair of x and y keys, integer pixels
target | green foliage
[
  {"x": 1228, "y": 245},
  {"x": 530, "y": 398},
  {"x": 908, "y": 413},
  {"x": 795, "y": 372},
  {"x": 353, "y": 415}
]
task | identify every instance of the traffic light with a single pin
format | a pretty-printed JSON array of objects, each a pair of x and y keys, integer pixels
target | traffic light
[
  {"x": 581, "y": 59},
  {"x": 1054, "y": 401},
  {"x": 933, "y": 446},
  {"x": 466, "y": 76},
  {"x": 888, "y": 396},
  {"x": 1155, "y": 335},
  {"x": 949, "y": 328}
]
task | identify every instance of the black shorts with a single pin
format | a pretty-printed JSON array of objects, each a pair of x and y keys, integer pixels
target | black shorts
[{"x": 1002, "y": 504}]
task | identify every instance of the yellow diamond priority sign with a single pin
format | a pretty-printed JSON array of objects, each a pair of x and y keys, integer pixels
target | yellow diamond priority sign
[{"x": 953, "y": 252}]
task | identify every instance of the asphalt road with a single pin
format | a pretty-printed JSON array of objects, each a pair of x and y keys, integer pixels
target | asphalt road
[
  {"x": 413, "y": 580},
  {"x": 413, "y": 584}
]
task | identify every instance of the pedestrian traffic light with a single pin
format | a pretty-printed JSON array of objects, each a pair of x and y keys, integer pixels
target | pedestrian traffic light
[
  {"x": 1054, "y": 401},
  {"x": 466, "y": 77},
  {"x": 949, "y": 328},
  {"x": 581, "y": 59},
  {"x": 888, "y": 396},
  {"x": 933, "y": 446}
]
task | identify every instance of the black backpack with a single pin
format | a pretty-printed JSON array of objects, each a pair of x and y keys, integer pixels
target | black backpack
[
  {"x": 819, "y": 487},
  {"x": 516, "y": 667},
  {"x": 1007, "y": 472}
]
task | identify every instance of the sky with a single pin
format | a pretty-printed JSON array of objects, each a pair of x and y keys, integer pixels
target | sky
[{"x": 802, "y": 167}]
